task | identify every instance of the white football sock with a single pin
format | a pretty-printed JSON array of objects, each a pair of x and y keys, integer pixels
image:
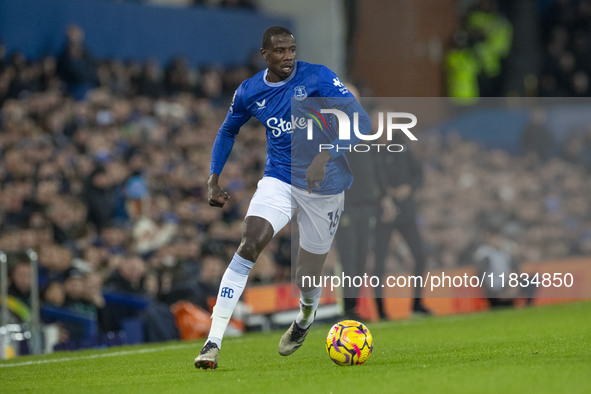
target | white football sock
[
  {"x": 231, "y": 288},
  {"x": 308, "y": 305}
]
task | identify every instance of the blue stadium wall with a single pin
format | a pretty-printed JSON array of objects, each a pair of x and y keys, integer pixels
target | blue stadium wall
[
  {"x": 496, "y": 124},
  {"x": 132, "y": 31}
]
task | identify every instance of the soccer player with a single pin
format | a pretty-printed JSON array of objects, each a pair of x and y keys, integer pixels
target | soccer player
[{"x": 317, "y": 191}]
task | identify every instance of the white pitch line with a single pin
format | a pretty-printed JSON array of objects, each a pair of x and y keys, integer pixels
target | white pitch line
[{"x": 91, "y": 356}]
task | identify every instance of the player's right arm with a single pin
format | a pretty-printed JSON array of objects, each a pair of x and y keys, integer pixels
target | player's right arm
[{"x": 237, "y": 115}]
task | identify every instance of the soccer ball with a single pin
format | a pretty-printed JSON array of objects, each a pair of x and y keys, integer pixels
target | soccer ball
[{"x": 349, "y": 343}]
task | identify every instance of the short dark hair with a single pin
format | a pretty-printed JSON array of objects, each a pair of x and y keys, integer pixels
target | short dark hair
[
  {"x": 15, "y": 259},
  {"x": 273, "y": 31}
]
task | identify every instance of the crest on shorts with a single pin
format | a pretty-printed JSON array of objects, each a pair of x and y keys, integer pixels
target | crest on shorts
[{"x": 299, "y": 92}]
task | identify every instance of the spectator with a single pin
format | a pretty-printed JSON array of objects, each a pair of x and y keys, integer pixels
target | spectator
[
  {"x": 20, "y": 280},
  {"x": 494, "y": 35},
  {"x": 536, "y": 138},
  {"x": 128, "y": 282},
  {"x": 462, "y": 69},
  {"x": 150, "y": 81},
  {"x": 114, "y": 238},
  {"x": 68, "y": 220},
  {"x": 178, "y": 77},
  {"x": 177, "y": 277},
  {"x": 128, "y": 276},
  {"x": 74, "y": 286},
  {"x": 399, "y": 176},
  {"x": 356, "y": 225},
  {"x": 98, "y": 196},
  {"x": 474, "y": 65},
  {"x": 494, "y": 260},
  {"x": 93, "y": 298},
  {"x": 54, "y": 294},
  {"x": 212, "y": 269},
  {"x": 75, "y": 64}
]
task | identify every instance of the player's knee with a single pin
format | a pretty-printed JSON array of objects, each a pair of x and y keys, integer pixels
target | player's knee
[
  {"x": 256, "y": 234},
  {"x": 307, "y": 283},
  {"x": 249, "y": 250}
]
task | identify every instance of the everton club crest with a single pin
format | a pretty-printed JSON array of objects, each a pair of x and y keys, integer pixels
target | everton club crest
[{"x": 299, "y": 92}]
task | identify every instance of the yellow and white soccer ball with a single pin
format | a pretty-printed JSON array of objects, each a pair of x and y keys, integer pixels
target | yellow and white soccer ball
[{"x": 349, "y": 342}]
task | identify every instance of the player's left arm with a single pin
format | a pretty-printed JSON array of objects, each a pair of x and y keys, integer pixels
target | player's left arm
[
  {"x": 338, "y": 96},
  {"x": 331, "y": 87}
]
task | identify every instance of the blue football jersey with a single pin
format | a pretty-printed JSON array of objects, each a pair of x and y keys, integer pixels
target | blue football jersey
[{"x": 270, "y": 103}]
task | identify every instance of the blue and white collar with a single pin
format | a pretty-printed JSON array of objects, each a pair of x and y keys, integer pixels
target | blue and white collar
[{"x": 281, "y": 83}]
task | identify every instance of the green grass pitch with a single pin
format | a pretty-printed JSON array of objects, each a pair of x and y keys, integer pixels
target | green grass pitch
[{"x": 535, "y": 350}]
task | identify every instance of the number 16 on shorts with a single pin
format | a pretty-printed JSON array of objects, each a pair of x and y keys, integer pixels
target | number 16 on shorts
[{"x": 333, "y": 217}]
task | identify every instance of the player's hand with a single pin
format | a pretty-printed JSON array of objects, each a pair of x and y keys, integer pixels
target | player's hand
[
  {"x": 216, "y": 196},
  {"x": 389, "y": 210},
  {"x": 402, "y": 192},
  {"x": 317, "y": 170}
]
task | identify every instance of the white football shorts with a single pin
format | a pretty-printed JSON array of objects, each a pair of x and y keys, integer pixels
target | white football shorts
[{"x": 317, "y": 214}]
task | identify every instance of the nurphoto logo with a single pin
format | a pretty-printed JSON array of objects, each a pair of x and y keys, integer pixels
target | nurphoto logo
[{"x": 402, "y": 121}]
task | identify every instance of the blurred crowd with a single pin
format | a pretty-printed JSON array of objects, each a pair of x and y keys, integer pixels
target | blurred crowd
[
  {"x": 534, "y": 201},
  {"x": 103, "y": 172},
  {"x": 566, "y": 33},
  {"x": 541, "y": 203}
]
